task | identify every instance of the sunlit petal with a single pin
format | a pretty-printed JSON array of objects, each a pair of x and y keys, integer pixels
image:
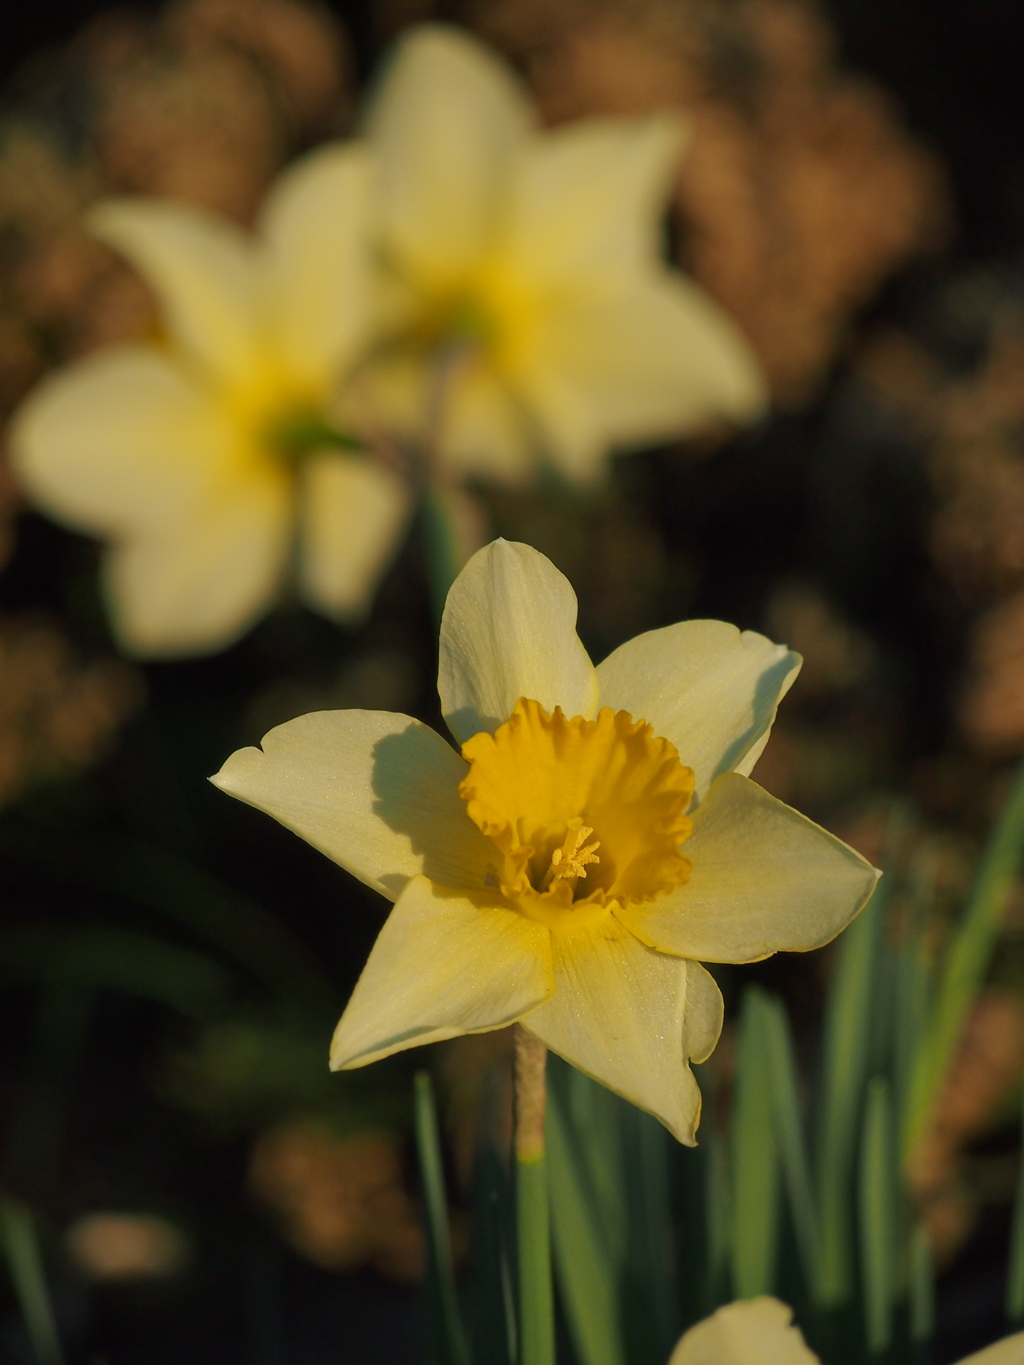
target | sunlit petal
[
  {"x": 633, "y": 1019},
  {"x": 448, "y": 122},
  {"x": 442, "y": 966},
  {"x": 509, "y": 631},
  {"x": 706, "y": 687},
  {"x": 351, "y": 512},
  {"x": 316, "y": 227},
  {"x": 587, "y": 199},
  {"x": 1009, "y": 1351},
  {"x": 764, "y": 880},
  {"x": 749, "y": 1332},
  {"x": 121, "y": 442},
  {"x": 374, "y": 790},
  {"x": 654, "y": 360},
  {"x": 202, "y": 269},
  {"x": 195, "y": 587}
]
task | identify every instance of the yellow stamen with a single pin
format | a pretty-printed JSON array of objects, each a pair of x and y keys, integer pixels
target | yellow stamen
[{"x": 542, "y": 785}]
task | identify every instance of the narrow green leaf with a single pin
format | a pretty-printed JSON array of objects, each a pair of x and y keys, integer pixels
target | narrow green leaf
[
  {"x": 967, "y": 960},
  {"x": 877, "y": 1215},
  {"x": 652, "y": 1312},
  {"x": 755, "y": 1161},
  {"x": 442, "y": 548},
  {"x": 428, "y": 1145},
  {"x": 845, "y": 1048},
  {"x": 595, "y": 1117},
  {"x": 922, "y": 1286},
  {"x": 789, "y": 1132},
  {"x": 25, "y": 1263},
  {"x": 717, "y": 1218},
  {"x": 587, "y": 1274}
]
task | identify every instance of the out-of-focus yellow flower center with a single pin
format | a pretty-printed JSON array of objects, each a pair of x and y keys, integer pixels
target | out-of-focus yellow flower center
[
  {"x": 583, "y": 814},
  {"x": 492, "y": 312}
]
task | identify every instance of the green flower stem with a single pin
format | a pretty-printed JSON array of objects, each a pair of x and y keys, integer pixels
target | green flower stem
[
  {"x": 536, "y": 1302},
  {"x": 428, "y": 1145},
  {"x": 25, "y": 1263},
  {"x": 443, "y": 556}
]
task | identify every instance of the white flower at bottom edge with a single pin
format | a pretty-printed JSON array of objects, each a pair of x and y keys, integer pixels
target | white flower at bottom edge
[
  {"x": 538, "y": 876},
  {"x": 760, "y": 1332}
]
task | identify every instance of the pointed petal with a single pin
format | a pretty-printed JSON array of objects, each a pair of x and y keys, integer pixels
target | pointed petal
[
  {"x": 374, "y": 790},
  {"x": 447, "y": 123},
  {"x": 706, "y": 687},
  {"x": 588, "y": 198},
  {"x": 1009, "y": 1351},
  {"x": 749, "y": 1332},
  {"x": 315, "y": 225},
  {"x": 121, "y": 442},
  {"x": 657, "y": 359},
  {"x": 633, "y": 1019},
  {"x": 509, "y": 631},
  {"x": 765, "y": 880},
  {"x": 351, "y": 515},
  {"x": 196, "y": 585},
  {"x": 440, "y": 967},
  {"x": 202, "y": 269}
]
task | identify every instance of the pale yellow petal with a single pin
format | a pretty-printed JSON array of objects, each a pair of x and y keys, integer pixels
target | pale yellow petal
[
  {"x": 486, "y": 431},
  {"x": 316, "y": 229},
  {"x": 588, "y": 198},
  {"x": 203, "y": 271},
  {"x": 654, "y": 360},
  {"x": 706, "y": 687},
  {"x": 124, "y": 442},
  {"x": 749, "y": 1332},
  {"x": 509, "y": 631},
  {"x": 632, "y": 1019},
  {"x": 375, "y": 791},
  {"x": 442, "y": 966},
  {"x": 1009, "y": 1351},
  {"x": 447, "y": 124},
  {"x": 196, "y": 585},
  {"x": 765, "y": 880},
  {"x": 352, "y": 513}
]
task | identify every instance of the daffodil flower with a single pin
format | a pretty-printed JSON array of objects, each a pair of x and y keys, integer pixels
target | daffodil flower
[
  {"x": 760, "y": 1332},
  {"x": 209, "y": 459},
  {"x": 529, "y": 310},
  {"x": 596, "y": 837}
]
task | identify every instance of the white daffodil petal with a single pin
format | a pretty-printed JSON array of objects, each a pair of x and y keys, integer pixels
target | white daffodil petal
[
  {"x": 765, "y": 879},
  {"x": 509, "y": 631},
  {"x": 122, "y": 442},
  {"x": 203, "y": 270},
  {"x": 485, "y": 431},
  {"x": 632, "y": 1018},
  {"x": 749, "y": 1332},
  {"x": 315, "y": 225},
  {"x": 710, "y": 690},
  {"x": 658, "y": 358},
  {"x": 195, "y": 586},
  {"x": 1009, "y": 1351},
  {"x": 442, "y": 966},
  {"x": 351, "y": 514},
  {"x": 447, "y": 123},
  {"x": 374, "y": 790},
  {"x": 588, "y": 198}
]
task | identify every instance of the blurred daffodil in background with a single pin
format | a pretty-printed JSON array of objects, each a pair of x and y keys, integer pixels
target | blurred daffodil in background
[
  {"x": 760, "y": 1332},
  {"x": 459, "y": 290},
  {"x": 211, "y": 458},
  {"x": 540, "y": 876},
  {"x": 528, "y": 312}
]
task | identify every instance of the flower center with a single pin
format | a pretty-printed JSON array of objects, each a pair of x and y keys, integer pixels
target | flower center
[{"x": 584, "y": 814}]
